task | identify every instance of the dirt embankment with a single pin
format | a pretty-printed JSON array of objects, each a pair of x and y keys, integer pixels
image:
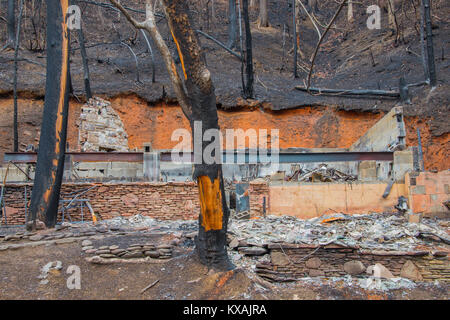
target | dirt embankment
[{"x": 306, "y": 127}]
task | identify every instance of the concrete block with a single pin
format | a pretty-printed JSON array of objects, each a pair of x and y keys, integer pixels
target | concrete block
[
  {"x": 403, "y": 163},
  {"x": 93, "y": 165},
  {"x": 367, "y": 171},
  {"x": 418, "y": 190}
]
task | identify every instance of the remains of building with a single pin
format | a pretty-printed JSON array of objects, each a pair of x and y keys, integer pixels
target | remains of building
[{"x": 321, "y": 212}]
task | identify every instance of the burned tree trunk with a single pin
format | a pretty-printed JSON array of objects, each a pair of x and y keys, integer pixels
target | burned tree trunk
[
  {"x": 198, "y": 102},
  {"x": 248, "y": 88},
  {"x": 84, "y": 57},
  {"x": 50, "y": 163},
  {"x": 213, "y": 221},
  {"x": 11, "y": 23},
  {"x": 232, "y": 29}
]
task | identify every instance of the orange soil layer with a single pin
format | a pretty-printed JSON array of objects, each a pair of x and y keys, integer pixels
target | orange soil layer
[{"x": 305, "y": 128}]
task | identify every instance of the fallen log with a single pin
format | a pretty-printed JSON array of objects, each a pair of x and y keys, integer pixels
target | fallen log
[{"x": 345, "y": 92}]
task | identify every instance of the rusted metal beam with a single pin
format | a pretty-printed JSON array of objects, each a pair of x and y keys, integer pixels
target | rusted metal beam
[{"x": 284, "y": 157}]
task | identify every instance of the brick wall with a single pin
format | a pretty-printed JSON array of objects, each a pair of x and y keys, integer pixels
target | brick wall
[
  {"x": 428, "y": 191},
  {"x": 257, "y": 192},
  {"x": 164, "y": 201}
]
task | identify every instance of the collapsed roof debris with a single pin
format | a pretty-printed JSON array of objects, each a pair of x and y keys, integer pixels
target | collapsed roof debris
[{"x": 321, "y": 174}]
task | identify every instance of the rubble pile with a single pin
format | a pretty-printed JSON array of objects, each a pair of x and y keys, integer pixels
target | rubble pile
[
  {"x": 321, "y": 174},
  {"x": 374, "y": 231}
]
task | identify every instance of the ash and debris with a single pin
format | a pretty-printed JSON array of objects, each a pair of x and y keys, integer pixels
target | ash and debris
[
  {"x": 372, "y": 231},
  {"x": 320, "y": 174}
]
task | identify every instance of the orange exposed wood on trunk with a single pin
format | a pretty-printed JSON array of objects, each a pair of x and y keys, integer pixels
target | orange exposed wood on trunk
[
  {"x": 210, "y": 203},
  {"x": 180, "y": 54},
  {"x": 64, "y": 73}
]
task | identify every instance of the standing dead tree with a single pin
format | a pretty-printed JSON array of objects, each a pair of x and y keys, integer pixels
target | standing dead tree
[
  {"x": 16, "y": 54},
  {"x": 232, "y": 29},
  {"x": 248, "y": 89},
  {"x": 50, "y": 162},
  {"x": 11, "y": 24},
  {"x": 196, "y": 95},
  {"x": 430, "y": 49}
]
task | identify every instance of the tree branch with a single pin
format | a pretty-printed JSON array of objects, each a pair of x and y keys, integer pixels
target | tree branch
[
  {"x": 150, "y": 26},
  {"x": 320, "y": 42}
]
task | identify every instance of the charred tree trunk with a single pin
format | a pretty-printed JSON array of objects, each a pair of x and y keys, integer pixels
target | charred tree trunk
[
  {"x": 50, "y": 164},
  {"x": 84, "y": 57},
  {"x": 430, "y": 47},
  {"x": 11, "y": 23},
  {"x": 213, "y": 221},
  {"x": 232, "y": 29},
  {"x": 248, "y": 88},
  {"x": 16, "y": 53},
  {"x": 263, "y": 14},
  {"x": 294, "y": 22}
]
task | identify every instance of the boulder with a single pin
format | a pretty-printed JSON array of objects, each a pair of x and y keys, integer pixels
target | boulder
[
  {"x": 279, "y": 258},
  {"x": 379, "y": 271},
  {"x": 313, "y": 263},
  {"x": 410, "y": 271},
  {"x": 354, "y": 267}
]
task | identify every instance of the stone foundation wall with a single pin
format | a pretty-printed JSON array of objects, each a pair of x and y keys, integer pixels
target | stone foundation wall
[
  {"x": 100, "y": 128},
  {"x": 164, "y": 201},
  {"x": 289, "y": 262}
]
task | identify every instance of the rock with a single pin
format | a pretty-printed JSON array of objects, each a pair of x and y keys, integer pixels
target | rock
[
  {"x": 165, "y": 251},
  {"x": 164, "y": 246},
  {"x": 87, "y": 248},
  {"x": 379, "y": 271},
  {"x": 91, "y": 251},
  {"x": 117, "y": 251},
  {"x": 104, "y": 248},
  {"x": 279, "y": 258},
  {"x": 253, "y": 251},
  {"x": 316, "y": 273},
  {"x": 152, "y": 254},
  {"x": 57, "y": 265},
  {"x": 113, "y": 247},
  {"x": 410, "y": 271},
  {"x": 86, "y": 243},
  {"x": 37, "y": 237},
  {"x": 354, "y": 267},
  {"x": 131, "y": 255},
  {"x": 313, "y": 263},
  {"x": 108, "y": 256},
  {"x": 234, "y": 243},
  {"x": 100, "y": 251},
  {"x": 64, "y": 241},
  {"x": 12, "y": 237}
]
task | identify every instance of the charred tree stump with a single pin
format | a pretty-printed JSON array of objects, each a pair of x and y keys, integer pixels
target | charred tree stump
[{"x": 50, "y": 163}]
